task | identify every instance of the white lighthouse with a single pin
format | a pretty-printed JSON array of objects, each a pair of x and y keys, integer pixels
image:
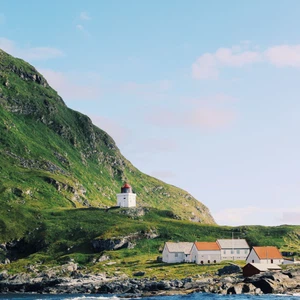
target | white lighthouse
[{"x": 126, "y": 198}]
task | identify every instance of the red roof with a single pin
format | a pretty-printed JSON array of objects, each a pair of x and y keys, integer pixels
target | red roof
[
  {"x": 207, "y": 246},
  {"x": 126, "y": 185},
  {"x": 269, "y": 252}
]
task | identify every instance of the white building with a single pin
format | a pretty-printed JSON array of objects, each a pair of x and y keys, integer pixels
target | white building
[
  {"x": 126, "y": 198},
  {"x": 205, "y": 253},
  {"x": 265, "y": 255},
  {"x": 177, "y": 252},
  {"x": 233, "y": 249}
]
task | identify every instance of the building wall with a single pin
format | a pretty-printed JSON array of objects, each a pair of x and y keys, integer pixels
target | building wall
[
  {"x": 205, "y": 257},
  {"x": 234, "y": 254},
  {"x": 271, "y": 261},
  {"x": 126, "y": 200},
  {"x": 253, "y": 258},
  {"x": 174, "y": 257},
  {"x": 250, "y": 270}
]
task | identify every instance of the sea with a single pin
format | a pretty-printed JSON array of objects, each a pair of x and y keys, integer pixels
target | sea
[{"x": 195, "y": 296}]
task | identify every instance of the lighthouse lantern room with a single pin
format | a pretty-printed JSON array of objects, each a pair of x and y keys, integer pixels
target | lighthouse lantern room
[{"x": 126, "y": 198}]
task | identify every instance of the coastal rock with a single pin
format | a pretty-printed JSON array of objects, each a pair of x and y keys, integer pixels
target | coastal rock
[{"x": 231, "y": 269}]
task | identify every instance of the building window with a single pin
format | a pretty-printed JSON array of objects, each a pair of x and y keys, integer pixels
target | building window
[
  {"x": 215, "y": 261},
  {"x": 224, "y": 251},
  {"x": 271, "y": 261},
  {"x": 232, "y": 251},
  {"x": 246, "y": 251},
  {"x": 176, "y": 254},
  {"x": 253, "y": 261},
  {"x": 238, "y": 251},
  {"x": 208, "y": 261}
]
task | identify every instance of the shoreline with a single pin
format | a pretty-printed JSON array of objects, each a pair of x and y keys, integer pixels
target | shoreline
[{"x": 286, "y": 282}]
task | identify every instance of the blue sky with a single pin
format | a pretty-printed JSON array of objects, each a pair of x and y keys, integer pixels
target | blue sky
[{"x": 201, "y": 94}]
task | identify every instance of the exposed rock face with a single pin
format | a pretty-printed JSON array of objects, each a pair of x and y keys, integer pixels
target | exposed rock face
[
  {"x": 112, "y": 244},
  {"x": 77, "y": 282},
  {"x": 116, "y": 243},
  {"x": 229, "y": 270}
]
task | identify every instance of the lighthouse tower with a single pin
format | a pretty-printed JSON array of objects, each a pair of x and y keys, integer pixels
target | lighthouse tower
[{"x": 126, "y": 198}]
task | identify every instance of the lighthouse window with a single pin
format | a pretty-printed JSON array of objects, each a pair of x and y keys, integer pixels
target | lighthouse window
[{"x": 124, "y": 198}]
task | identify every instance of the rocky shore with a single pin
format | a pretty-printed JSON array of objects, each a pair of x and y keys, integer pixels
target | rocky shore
[{"x": 287, "y": 282}]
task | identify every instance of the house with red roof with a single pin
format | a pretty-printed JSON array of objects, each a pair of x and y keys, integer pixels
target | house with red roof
[
  {"x": 265, "y": 255},
  {"x": 206, "y": 253}
]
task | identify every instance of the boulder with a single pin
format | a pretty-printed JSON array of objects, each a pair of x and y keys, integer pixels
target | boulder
[
  {"x": 231, "y": 269},
  {"x": 140, "y": 273}
]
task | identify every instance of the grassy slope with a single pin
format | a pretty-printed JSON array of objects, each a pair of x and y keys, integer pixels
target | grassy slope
[
  {"x": 66, "y": 234},
  {"x": 37, "y": 129}
]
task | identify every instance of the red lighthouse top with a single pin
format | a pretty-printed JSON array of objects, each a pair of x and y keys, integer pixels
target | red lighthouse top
[{"x": 126, "y": 188}]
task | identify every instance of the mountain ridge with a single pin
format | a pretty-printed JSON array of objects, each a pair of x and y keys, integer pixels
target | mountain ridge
[{"x": 53, "y": 156}]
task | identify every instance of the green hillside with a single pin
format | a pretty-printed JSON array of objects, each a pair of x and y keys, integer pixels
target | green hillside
[
  {"x": 54, "y": 157},
  {"x": 59, "y": 173}
]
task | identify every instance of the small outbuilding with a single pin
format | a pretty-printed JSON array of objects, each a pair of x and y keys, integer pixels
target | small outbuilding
[
  {"x": 265, "y": 255},
  {"x": 256, "y": 268},
  {"x": 177, "y": 252}
]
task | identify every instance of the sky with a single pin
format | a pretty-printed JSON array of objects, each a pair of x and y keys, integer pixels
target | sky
[{"x": 203, "y": 95}]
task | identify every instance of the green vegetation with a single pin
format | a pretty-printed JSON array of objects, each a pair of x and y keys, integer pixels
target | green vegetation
[
  {"x": 59, "y": 173},
  {"x": 67, "y": 234}
]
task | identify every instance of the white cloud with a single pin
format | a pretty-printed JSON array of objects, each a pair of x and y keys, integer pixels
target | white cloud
[
  {"x": 253, "y": 215},
  {"x": 205, "y": 67},
  {"x": 84, "y": 16},
  {"x": 212, "y": 112},
  {"x": 29, "y": 53},
  {"x": 284, "y": 55},
  {"x": 209, "y": 65},
  {"x": 74, "y": 85},
  {"x": 210, "y": 118}
]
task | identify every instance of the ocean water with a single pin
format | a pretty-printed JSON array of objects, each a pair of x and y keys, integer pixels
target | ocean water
[{"x": 195, "y": 296}]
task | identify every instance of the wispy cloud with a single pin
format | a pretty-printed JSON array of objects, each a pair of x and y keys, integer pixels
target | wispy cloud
[
  {"x": 30, "y": 53},
  {"x": 246, "y": 215},
  {"x": 82, "y": 29},
  {"x": 84, "y": 16},
  {"x": 210, "y": 113},
  {"x": 74, "y": 86},
  {"x": 284, "y": 55},
  {"x": 209, "y": 65}
]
